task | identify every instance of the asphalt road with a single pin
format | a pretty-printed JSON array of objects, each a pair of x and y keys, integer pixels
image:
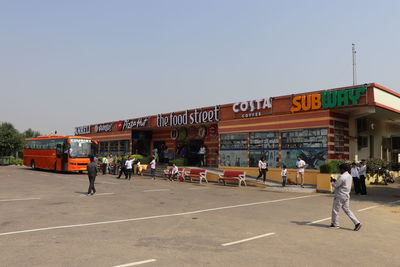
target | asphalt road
[{"x": 47, "y": 220}]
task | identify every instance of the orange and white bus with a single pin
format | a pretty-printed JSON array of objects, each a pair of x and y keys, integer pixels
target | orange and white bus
[{"x": 58, "y": 153}]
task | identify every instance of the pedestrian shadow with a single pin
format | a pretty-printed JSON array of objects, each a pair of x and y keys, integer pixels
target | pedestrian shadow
[{"x": 306, "y": 223}]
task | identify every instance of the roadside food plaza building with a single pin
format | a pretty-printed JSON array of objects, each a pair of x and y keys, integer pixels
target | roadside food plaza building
[{"x": 355, "y": 122}]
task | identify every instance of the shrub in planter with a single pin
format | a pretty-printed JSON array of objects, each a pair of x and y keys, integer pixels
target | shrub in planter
[
  {"x": 373, "y": 165},
  {"x": 330, "y": 167}
]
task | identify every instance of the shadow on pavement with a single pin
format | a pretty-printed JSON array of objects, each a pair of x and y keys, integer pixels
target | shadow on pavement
[{"x": 320, "y": 225}]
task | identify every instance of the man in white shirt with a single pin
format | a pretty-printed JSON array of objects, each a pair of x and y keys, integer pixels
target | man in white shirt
[
  {"x": 174, "y": 172},
  {"x": 363, "y": 175},
  {"x": 129, "y": 164},
  {"x": 300, "y": 164},
  {"x": 342, "y": 197},
  {"x": 262, "y": 169},
  {"x": 202, "y": 154},
  {"x": 105, "y": 164}
]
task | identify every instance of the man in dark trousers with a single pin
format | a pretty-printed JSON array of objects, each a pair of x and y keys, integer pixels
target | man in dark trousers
[
  {"x": 92, "y": 172},
  {"x": 123, "y": 169}
]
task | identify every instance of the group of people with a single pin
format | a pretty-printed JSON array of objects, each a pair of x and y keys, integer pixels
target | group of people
[
  {"x": 342, "y": 185},
  {"x": 300, "y": 164},
  {"x": 359, "y": 173},
  {"x": 125, "y": 165}
]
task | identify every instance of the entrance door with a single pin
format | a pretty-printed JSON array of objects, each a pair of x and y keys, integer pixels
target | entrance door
[
  {"x": 142, "y": 142},
  {"x": 193, "y": 152}
]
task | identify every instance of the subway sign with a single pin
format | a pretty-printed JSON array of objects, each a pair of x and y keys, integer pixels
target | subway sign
[{"x": 328, "y": 99}]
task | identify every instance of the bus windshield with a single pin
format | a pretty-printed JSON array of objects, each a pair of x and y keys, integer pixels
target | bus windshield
[{"x": 80, "y": 148}]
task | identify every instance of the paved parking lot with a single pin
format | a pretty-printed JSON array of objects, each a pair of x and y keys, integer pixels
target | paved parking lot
[{"x": 47, "y": 220}]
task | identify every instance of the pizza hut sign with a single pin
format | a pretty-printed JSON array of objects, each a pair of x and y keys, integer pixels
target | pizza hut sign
[
  {"x": 252, "y": 108},
  {"x": 101, "y": 128},
  {"x": 130, "y": 124}
]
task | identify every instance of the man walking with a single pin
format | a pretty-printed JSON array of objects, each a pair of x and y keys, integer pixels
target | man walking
[
  {"x": 92, "y": 172},
  {"x": 123, "y": 168},
  {"x": 342, "y": 197}
]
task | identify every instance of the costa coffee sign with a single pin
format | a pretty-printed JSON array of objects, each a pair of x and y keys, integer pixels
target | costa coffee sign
[
  {"x": 101, "y": 128},
  {"x": 82, "y": 130},
  {"x": 252, "y": 108},
  {"x": 189, "y": 117},
  {"x": 130, "y": 124}
]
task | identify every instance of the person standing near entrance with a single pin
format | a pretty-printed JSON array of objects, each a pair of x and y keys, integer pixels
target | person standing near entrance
[
  {"x": 92, "y": 173},
  {"x": 202, "y": 154},
  {"x": 363, "y": 175},
  {"x": 123, "y": 168},
  {"x": 300, "y": 164},
  {"x": 342, "y": 197},
  {"x": 262, "y": 169},
  {"x": 153, "y": 168}
]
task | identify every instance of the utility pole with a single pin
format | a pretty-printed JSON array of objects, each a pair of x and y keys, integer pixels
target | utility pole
[{"x": 354, "y": 64}]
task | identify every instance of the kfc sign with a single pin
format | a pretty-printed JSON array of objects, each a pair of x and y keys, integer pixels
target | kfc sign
[
  {"x": 82, "y": 130},
  {"x": 253, "y": 108},
  {"x": 130, "y": 124},
  {"x": 100, "y": 128}
]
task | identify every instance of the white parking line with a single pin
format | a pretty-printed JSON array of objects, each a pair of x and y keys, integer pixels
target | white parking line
[
  {"x": 319, "y": 221},
  {"x": 247, "y": 239},
  {"x": 368, "y": 208},
  {"x": 393, "y": 202},
  {"x": 155, "y": 216},
  {"x": 136, "y": 263},
  {"x": 18, "y": 199},
  {"x": 156, "y": 190}
]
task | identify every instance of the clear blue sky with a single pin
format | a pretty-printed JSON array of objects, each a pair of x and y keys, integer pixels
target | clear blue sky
[{"x": 70, "y": 63}]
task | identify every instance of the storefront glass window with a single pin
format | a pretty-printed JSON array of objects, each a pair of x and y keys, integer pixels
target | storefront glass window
[
  {"x": 264, "y": 144},
  {"x": 113, "y": 147},
  {"x": 310, "y": 144},
  {"x": 234, "y": 150},
  {"x": 123, "y": 147},
  {"x": 103, "y": 148}
]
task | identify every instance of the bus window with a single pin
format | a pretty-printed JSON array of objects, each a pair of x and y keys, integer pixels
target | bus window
[{"x": 80, "y": 148}]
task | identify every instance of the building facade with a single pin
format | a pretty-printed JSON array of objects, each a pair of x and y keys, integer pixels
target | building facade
[{"x": 356, "y": 122}]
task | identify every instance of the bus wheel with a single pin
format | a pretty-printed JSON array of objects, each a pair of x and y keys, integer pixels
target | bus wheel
[
  {"x": 33, "y": 164},
  {"x": 55, "y": 167},
  {"x": 80, "y": 172}
]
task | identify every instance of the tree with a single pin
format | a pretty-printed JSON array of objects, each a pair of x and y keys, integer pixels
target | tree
[
  {"x": 30, "y": 133},
  {"x": 10, "y": 139}
]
